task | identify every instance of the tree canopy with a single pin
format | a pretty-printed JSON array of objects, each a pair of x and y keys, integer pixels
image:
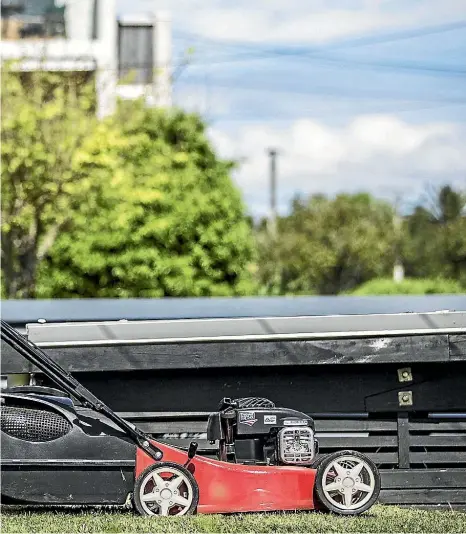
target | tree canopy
[
  {"x": 435, "y": 237},
  {"x": 327, "y": 245},
  {"x": 56, "y": 159},
  {"x": 140, "y": 205},
  {"x": 174, "y": 226}
]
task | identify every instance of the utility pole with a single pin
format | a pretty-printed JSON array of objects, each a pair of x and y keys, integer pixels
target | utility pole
[
  {"x": 273, "y": 190},
  {"x": 398, "y": 268},
  {"x": 275, "y": 282}
]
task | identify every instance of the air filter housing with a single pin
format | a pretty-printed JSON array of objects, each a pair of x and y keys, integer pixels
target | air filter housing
[
  {"x": 31, "y": 424},
  {"x": 296, "y": 445}
]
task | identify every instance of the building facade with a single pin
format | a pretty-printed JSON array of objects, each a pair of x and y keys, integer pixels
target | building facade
[{"x": 129, "y": 57}]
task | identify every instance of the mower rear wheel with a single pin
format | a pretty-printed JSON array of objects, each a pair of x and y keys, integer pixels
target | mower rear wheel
[
  {"x": 347, "y": 482},
  {"x": 166, "y": 488}
]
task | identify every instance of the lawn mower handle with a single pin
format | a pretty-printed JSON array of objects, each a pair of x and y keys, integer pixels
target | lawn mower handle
[{"x": 70, "y": 385}]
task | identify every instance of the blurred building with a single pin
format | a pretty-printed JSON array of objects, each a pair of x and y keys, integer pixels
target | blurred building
[
  {"x": 128, "y": 56},
  {"x": 144, "y": 58}
]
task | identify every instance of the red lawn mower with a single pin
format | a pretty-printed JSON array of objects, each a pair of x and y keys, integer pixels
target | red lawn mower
[{"x": 65, "y": 447}]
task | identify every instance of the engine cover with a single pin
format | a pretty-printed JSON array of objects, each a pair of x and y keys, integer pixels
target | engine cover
[
  {"x": 261, "y": 421},
  {"x": 252, "y": 430}
]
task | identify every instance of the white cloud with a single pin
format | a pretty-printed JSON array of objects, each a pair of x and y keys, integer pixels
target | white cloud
[
  {"x": 378, "y": 153},
  {"x": 284, "y": 25}
]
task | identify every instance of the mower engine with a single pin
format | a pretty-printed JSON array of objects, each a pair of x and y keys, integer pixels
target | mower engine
[{"x": 253, "y": 431}]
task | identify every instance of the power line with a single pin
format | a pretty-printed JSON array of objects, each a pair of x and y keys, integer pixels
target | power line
[
  {"x": 316, "y": 58},
  {"x": 181, "y": 64},
  {"x": 256, "y": 52},
  {"x": 304, "y": 90},
  {"x": 323, "y": 92},
  {"x": 383, "y": 64},
  {"x": 342, "y": 43},
  {"x": 327, "y": 91},
  {"x": 402, "y": 35}
]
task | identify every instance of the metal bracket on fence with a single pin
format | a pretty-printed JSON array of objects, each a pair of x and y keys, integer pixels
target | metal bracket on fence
[
  {"x": 403, "y": 440},
  {"x": 405, "y": 374},
  {"x": 405, "y": 398}
]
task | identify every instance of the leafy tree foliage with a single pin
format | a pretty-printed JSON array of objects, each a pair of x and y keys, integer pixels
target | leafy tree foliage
[
  {"x": 329, "y": 246},
  {"x": 55, "y": 159},
  {"x": 174, "y": 225},
  {"x": 140, "y": 205},
  {"x": 435, "y": 237},
  {"x": 326, "y": 246}
]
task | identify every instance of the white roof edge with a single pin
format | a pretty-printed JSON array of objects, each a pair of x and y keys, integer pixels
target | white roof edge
[
  {"x": 246, "y": 329},
  {"x": 239, "y": 319}
]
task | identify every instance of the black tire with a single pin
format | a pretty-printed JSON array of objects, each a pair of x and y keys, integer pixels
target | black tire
[
  {"x": 193, "y": 487},
  {"x": 318, "y": 461},
  {"x": 339, "y": 508},
  {"x": 317, "y": 503}
]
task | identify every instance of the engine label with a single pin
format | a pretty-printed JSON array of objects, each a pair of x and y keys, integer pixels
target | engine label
[
  {"x": 270, "y": 419},
  {"x": 247, "y": 418},
  {"x": 294, "y": 422}
]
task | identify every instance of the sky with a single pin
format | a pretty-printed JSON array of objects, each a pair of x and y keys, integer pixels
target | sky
[{"x": 355, "y": 95}]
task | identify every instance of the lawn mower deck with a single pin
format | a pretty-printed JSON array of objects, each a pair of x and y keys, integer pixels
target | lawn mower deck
[{"x": 65, "y": 446}]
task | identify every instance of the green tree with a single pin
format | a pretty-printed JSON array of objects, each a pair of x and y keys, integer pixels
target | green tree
[
  {"x": 175, "y": 226},
  {"x": 55, "y": 159},
  {"x": 326, "y": 246},
  {"x": 435, "y": 237}
]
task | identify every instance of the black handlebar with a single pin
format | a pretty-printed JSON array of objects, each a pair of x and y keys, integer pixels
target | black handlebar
[{"x": 70, "y": 385}]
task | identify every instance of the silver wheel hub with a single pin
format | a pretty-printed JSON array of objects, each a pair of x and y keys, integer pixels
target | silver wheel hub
[
  {"x": 166, "y": 491},
  {"x": 166, "y": 494},
  {"x": 348, "y": 482}
]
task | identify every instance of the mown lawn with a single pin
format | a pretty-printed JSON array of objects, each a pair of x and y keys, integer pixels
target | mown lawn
[{"x": 378, "y": 519}]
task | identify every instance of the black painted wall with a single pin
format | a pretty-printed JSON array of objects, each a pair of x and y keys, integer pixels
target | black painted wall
[{"x": 355, "y": 375}]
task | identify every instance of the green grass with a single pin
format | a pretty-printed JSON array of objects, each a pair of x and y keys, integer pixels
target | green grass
[{"x": 378, "y": 519}]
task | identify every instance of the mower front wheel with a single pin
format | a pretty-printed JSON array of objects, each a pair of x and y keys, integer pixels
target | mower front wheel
[
  {"x": 347, "y": 482},
  {"x": 167, "y": 489}
]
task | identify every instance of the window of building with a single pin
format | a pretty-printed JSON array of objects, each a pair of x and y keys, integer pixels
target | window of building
[
  {"x": 49, "y": 19},
  {"x": 135, "y": 53}
]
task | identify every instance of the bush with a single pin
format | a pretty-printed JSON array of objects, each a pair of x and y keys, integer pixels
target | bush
[
  {"x": 173, "y": 225},
  {"x": 409, "y": 286}
]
